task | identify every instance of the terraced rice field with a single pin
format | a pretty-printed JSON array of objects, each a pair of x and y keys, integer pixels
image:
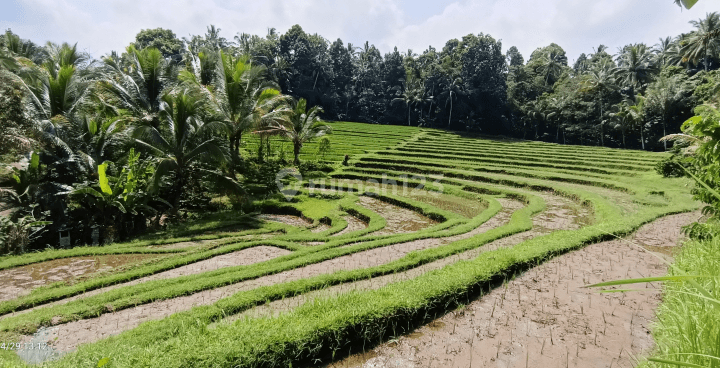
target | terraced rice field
[{"x": 429, "y": 249}]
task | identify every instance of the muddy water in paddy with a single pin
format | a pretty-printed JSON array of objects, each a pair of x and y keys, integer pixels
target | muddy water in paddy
[
  {"x": 20, "y": 281},
  {"x": 544, "y": 318},
  {"x": 399, "y": 220},
  {"x": 239, "y": 258}
]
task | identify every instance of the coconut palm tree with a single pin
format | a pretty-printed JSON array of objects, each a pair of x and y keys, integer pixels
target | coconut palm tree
[
  {"x": 600, "y": 80},
  {"x": 667, "y": 52},
  {"x": 663, "y": 94},
  {"x": 452, "y": 91},
  {"x": 634, "y": 66},
  {"x": 302, "y": 126},
  {"x": 703, "y": 42},
  {"x": 636, "y": 114},
  {"x": 551, "y": 65},
  {"x": 241, "y": 95},
  {"x": 183, "y": 139},
  {"x": 623, "y": 119},
  {"x": 411, "y": 96},
  {"x": 136, "y": 86}
]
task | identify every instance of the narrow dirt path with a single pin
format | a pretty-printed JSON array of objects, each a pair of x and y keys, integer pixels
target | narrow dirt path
[{"x": 544, "y": 318}]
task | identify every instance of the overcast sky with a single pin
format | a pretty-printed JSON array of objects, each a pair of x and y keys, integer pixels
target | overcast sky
[{"x": 99, "y": 26}]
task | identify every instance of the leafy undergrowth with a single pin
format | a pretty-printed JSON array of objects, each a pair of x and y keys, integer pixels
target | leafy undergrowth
[{"x": 688, "y": 324}]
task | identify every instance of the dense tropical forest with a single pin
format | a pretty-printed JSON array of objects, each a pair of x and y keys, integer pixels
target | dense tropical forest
[{"x": 288, "y": 200}]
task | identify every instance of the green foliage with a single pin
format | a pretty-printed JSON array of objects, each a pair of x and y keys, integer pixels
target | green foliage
[
  {"x": 706, "y": 159},
  {"x": 16, "y": 236},
  {"x": 324, "y": 147},
  {"x": 162, "y": 39},
  {"x": 260, "y": 176}
]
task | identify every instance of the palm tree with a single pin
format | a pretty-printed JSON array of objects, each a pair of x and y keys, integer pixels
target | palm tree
[
  {"x": 183, "y": 139},
  {"x": 663, "y": 94},
  {"x": 636, "y": 113},
  {"x": 411, "y": 96},
  {"x": 303, "y": 126},
  {"x": 22, "y": 48},
  {"x": 453, "y": 89},
  {"x": 635, "y": 66},
  {"x": 600, "y": 80},
  {"x": 551, "y": 65},
  {"x": 703, "y": 42},
  {"x": 623, "y": 118},
  {"x": 241, "y": 96},
  {"x": 137, "y": 86},
  {"x": 667, "y": 52}
]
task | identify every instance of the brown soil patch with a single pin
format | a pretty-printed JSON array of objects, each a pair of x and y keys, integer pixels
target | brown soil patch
[
  {"x": 466, "y": 207},
  {"x": 398, "y": 219},
  {"x": 286, "y": 219},
  {"x": 544, "y": 318},
  {"x": 320, "y": 228},
  {"x": 20, "y": 281},
  {"x": 561, "y": 214},
  {"x": 354, "y": 224}
]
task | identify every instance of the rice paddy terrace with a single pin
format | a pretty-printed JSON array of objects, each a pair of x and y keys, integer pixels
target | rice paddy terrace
[{"x": 428, "y": 249}]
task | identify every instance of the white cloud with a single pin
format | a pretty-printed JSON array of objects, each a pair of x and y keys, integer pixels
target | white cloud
[{"x": 576, "y": 25}]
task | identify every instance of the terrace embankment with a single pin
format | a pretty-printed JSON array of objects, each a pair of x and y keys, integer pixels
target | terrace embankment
[
  {"x": 544, "y": 317},
  {"x": 70, "y": 335},
  {"x": 559, "y": 214}
]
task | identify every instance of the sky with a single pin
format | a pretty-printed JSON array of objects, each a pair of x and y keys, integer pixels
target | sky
[{"x": 100, "y": 26}]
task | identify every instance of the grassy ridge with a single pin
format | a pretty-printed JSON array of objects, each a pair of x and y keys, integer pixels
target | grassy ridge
[{"x": 688, "y": 323}]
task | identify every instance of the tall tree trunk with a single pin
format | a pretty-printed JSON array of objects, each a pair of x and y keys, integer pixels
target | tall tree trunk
[
  {"x": 260, "y": 150},
  {"x": 623, "y": 134},
  {"x": 642, "y": 138},
  {"x": 296, "y": 152},
  {"x": 451, "y": 107},
  {"x": 408, "y": 114},
  {"x": 564, "y": 136},
  {"x": 602, "y": 130},
  {"x": 231, "y": 169},
  {"x": 664, "y": 140},
  {"x": 557, "y": 134}
]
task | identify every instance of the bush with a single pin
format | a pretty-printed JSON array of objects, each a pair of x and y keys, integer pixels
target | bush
[
  {"x": 314, "y": 166},
  {"x": 260, "y": 177},
  {"x": 671, "y": 167}
]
